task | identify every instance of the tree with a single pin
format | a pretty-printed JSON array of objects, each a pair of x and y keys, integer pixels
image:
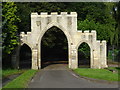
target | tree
[
  {"x": 9, "y": 27},
  {"x": 116, "y": 16},
  {"x": 102, "y": 30},
  {"x": 111, "y": 22}
]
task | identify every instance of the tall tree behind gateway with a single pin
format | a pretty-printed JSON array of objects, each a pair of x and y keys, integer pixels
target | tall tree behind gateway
[{"x": 9, "y": 28}]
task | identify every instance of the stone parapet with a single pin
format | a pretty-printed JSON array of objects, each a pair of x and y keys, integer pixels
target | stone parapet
[{"x": 45, "y": 14}]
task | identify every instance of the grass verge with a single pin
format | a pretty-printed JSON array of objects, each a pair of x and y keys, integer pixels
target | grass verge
[
  {"x": 21, "y": 81},
  {"x": 114, "y": 68},
  {"x": 101, "y": 74},
  {"x": 8, "y": 72}
]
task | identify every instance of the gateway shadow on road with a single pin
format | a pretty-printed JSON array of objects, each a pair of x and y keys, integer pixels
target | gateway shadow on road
[
  {"x": 53, "y": 63},
  {"x": 56, "y": 66}
]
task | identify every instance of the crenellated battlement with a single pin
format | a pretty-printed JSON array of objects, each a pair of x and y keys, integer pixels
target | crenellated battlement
[
  {"x": 103, "y": 42},
  {"x": 45, "y": 14},
  {"x": 87, "y": 33},
  {"x": 25, "y": 37},
  {"x": 23, "y": 34}
]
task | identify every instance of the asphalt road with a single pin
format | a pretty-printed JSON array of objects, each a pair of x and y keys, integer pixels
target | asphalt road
[{"x": 58, "y": 76}]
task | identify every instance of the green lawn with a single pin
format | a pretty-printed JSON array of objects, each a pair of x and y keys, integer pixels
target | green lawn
[
  {"x": 115, "y": 68},
  {"x": 8, "y": 72},
  {"x": 102, "y": 74},
  {"x": 22, "y": 80}
]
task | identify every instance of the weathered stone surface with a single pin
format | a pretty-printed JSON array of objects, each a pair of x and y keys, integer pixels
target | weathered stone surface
[{"x": 68, "y": 24}]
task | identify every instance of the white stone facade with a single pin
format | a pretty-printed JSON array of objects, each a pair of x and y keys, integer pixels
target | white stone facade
[{"x": 68, "y": 24}]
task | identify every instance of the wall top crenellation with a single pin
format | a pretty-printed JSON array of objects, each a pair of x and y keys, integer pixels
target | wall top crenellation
[
  {"x": 54, "y": 13},
  {"x": 87, "y": 31}
]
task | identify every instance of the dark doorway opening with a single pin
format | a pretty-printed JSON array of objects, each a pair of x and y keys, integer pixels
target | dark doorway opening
[
  {"x": 25, "y": 61},
  {"x": 84, "y": 56},
  {"x": 54, "y": 47}
]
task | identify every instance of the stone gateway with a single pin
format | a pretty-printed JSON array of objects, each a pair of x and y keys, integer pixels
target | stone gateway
[{"x": 68, "y": 24}]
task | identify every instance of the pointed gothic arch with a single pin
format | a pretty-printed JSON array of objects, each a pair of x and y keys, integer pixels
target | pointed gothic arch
[
  {"x": 84, "y": 55},
  {"x": 55, "y": 50},
  {"x": 25, "y": 57}
]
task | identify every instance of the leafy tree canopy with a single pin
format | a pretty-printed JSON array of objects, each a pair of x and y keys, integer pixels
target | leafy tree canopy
[{"x": 9, "y": 27}]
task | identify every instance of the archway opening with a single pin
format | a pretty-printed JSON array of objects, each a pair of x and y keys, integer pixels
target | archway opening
[
  {"x": 25, "y": 61},
  {"x": 54, "y": 47},
  {"x": 84, "y": 56}
]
